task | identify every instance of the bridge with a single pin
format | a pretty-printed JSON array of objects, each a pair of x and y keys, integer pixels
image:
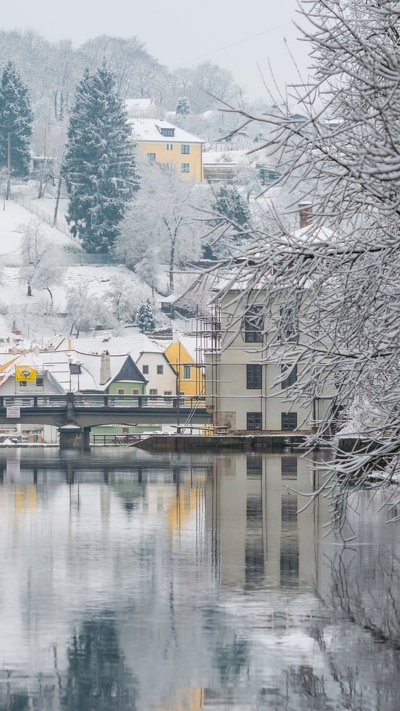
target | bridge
[{"x": 75, "y": 413}]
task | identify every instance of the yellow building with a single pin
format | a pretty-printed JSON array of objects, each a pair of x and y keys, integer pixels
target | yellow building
[
  {"x": 182, "y": 357},
  {"x": 165, "y": 143}
]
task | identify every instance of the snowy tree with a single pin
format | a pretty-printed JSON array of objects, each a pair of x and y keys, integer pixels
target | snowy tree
[
  {"x": 340, "y": 274},
  {"x": 183, "y": 106},
  {"x": 86, "y": 310},
  {"x": 99, "y": 166},
  {"x": 124, "y": 298},
  {"x": 15, "y": 123},
  {"x": 233, "y": 216},
  {"x": 162, "y": 221},
  {"x": 41, "y": 260},
  {"x": 145, "y": 319}
]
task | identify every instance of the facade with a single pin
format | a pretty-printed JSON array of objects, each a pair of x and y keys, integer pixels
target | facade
[
  {"x": 245, "y": 392},
  {"x": 163, "y": 142},
  {"x": 182, "y": 357}
]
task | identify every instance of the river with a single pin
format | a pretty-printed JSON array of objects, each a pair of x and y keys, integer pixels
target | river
[{"x": 172, "y": 582}]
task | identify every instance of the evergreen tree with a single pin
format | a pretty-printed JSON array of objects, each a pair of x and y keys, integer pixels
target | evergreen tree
[
  {"x": 232, "y": 216},
  {"x": 146, "y": 320},
  {"x": 99, "y": 166},
  {"x": 15, "y": 122},
  {"x": 183, "y": 106}
]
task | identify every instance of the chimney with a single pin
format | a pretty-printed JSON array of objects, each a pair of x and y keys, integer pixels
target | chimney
[
  {"x": 105, "y": 367},
  {"x": 305, "y": 214}
]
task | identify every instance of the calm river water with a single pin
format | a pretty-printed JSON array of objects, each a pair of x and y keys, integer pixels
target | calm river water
[{"x": 171, "y": 582}]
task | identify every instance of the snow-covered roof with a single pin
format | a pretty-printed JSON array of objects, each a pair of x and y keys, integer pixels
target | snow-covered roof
[
  {"x": 150, "y": 130},
  {"x": 224, "y": 158},
  {"x": 133, "y": 345}
]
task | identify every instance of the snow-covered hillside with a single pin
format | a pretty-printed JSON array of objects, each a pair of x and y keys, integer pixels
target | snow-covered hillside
[{"x": 34, "y": 315}]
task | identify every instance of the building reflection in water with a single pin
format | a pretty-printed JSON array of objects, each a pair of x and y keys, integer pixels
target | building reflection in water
[{"x": 259, "y": 538}]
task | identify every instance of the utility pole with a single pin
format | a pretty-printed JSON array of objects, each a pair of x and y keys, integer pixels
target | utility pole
[{"x": 8, "y": 188}]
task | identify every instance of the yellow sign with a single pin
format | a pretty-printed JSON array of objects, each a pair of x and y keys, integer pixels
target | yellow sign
[{"x": 25, "y": 373}]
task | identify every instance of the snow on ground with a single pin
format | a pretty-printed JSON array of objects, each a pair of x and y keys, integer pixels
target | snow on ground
[
  {"x": 13, "y": 217},
  {"x": 16, "y": 308}
]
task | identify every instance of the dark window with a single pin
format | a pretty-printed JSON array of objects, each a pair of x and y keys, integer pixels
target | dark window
[
  {"x": 153, "y": 391},
  {"x": 289, "y": 324},
  {"x": 254, "y": 465},
  {"x": 160, "y": 369},
  {"x": 288, "y": 420},
  {"x": 185, "y": 168},
  {"x": 253, "y": 325},
  {"x": 253, "y": 376},
  {"x": 291, "y": 377},
  {"x": 145, "y": 370},
  {"x": 22, "y": 384},
  {"x": 151, "y": 157},
  {"x": 186, "y": 371},
  {"x": 167, "y": 131},
  {"x": 185, "y": 149},
  {"x": 121, "y": 391},
  {"x": 254, "y": 421},
  {"x": 39, "y": 382},
  {"x": 170, "y": 147},
  {"x": 289, "y": 467}
]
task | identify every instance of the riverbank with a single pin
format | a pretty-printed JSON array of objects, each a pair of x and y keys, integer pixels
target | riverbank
[{"x": 248, "y": 443}]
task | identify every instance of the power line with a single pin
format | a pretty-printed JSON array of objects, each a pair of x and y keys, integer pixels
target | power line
[{"x": 233, "y": 44}]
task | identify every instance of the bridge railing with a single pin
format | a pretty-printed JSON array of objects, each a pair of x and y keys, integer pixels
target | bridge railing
[{"x": 95, "y": 401}]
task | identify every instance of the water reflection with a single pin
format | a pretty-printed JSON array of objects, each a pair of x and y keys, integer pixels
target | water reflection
[{"x": 132, "y": 581}]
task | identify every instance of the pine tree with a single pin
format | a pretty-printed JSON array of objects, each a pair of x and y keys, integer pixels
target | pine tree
[
  {"x": 99, "y": 165},
  {"x": 230, "y": 204},
  {"x": 233, "y": 218},
  {"x": 15, "y": 122},
  {"x": 146, "y": 320},
  {"x": 183, "y": 106}
]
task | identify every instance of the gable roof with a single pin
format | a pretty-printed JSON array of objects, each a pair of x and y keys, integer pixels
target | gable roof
[{"x": 148, "y": 130}]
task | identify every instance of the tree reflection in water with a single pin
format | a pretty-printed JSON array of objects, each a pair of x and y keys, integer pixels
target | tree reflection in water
[{"x": 97, "y": 678}]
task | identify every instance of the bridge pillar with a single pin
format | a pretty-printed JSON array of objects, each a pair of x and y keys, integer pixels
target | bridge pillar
[{"x": 74, "y": 437}]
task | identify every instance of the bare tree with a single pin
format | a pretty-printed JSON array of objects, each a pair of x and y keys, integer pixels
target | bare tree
[
  {"x": 340, "y": 274},
  {"x": 41, "y": 260}
]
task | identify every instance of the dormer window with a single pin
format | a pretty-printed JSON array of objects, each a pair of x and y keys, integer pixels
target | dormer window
[{"x": 167, "y": 131}]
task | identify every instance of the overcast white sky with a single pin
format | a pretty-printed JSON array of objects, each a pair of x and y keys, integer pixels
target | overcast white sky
[{"x": 235, "y": 34}]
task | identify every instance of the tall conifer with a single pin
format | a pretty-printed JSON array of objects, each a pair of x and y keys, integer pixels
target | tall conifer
[
  {"x": 15, "y": 122},
  {"x": 99, "y": 166}
]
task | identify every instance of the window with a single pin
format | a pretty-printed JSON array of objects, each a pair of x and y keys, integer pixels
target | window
[
  {"x": 167, "y": 392},
  {"x": 39, "y": 382},
  {"x": 135, "y": 391},
  {"x": 160, "y": 369},
  {"x": 185, "y": 168},
  {"x": 121, "y": 391},
  {"x": 185, "y": 149},
  {"x": 288, "y": 420},
  {"x": 254, "y": 466},
  {"x": 253, "y": 376},
  {"x": 153, "y": 391},
  {"x": 167, "y": 131},
  {"x": 289, "y": 467},
  {"x": 168, "y": 395},
  {"x": 289, "y": 324},
  {"x": 254, "y": 421},
  {"x": 145, "y": 370},
  {"x": 253, "y": 325},
  {"x": 186, "y": 371},
  {"x": 151, "y": 157},
  {"x": 170, "y": 146},
  {"x": 291, "y": 378},
  {"x": 22, "y": 383}
]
